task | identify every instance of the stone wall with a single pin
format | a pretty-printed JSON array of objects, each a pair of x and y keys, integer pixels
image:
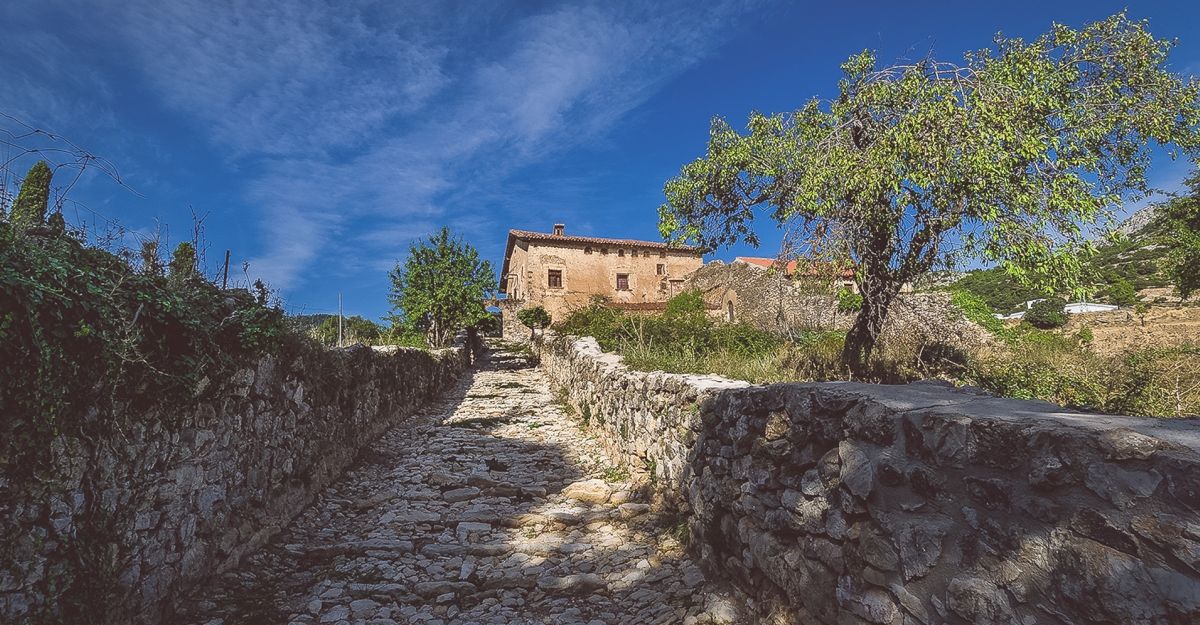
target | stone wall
[
  {"x": 851, "y": 503},
  {"x": 767, "y": 300},
  {"x": 116, "y": 528}
]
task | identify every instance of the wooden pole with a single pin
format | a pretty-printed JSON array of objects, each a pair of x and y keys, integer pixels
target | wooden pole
[{"x": 225, "y": 274}]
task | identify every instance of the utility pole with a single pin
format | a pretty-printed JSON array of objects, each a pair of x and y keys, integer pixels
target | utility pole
[
  {"x": 225, "y": 274},
  {"x": 339, "y": 319}
]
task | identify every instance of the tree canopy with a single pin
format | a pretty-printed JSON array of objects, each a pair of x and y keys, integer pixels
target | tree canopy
[
  {"x": 1012, "y": 156},
  {"x": 441, "y": 288},
  {"x": 1183, "y": 239}
]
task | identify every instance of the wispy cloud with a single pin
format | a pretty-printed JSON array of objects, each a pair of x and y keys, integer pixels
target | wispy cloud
[{"x": 359, "y": 126}]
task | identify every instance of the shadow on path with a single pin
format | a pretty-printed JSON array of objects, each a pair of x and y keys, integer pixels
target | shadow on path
[{"x": 490, "y": 506}]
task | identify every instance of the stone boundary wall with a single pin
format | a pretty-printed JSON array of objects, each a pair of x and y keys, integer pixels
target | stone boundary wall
[
  {"x": 915, "y": 504},
  {"x": 128, "y": 523}
]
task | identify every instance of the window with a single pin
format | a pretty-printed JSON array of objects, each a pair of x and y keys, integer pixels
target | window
[
  {"x": 554, "y": 278},
  {"x": 587, "y": 250},
  {"x": 622, "y": 282},
  {"x": 662, "y": 254},
  {"x": 729, "y": 311},
  {"x": 604, "y": 250},
  {"x": 661, "y": 269},
  {"x": 645, "y": 253},
  {"x": 676, "y": 287},
  {"x": 620, "y": 252}
]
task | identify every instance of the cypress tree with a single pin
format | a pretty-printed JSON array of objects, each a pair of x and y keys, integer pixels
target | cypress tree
[
  {"x": 183, "y": 262},
  {"x": 32, "y": 201}
]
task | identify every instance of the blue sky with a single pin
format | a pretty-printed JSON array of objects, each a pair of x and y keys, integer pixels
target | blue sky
[{"x": 320, "y": 138}]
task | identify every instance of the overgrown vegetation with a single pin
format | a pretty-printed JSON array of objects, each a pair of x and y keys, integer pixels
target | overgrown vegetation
[
  {"x": 1023, "y": 362},
  {"x": 535, "y": 318},
  {"x": 86, "y": 334}
]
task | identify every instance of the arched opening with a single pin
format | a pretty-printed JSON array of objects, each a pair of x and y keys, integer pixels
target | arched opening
[{"x": 729, "y": 311}]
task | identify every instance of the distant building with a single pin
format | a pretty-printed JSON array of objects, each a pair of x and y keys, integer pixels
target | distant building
[{"x": 562, "y": 272}]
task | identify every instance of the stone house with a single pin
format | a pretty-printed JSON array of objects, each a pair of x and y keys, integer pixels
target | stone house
[{"x": 562, "y": 272}]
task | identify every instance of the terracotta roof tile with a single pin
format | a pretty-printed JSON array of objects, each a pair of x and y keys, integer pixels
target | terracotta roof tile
[{"x": 570, "y": 238}]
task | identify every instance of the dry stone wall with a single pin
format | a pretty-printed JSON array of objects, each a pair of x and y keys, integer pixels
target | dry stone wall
[
  {"x": 116, "y": 528},
  {"x": 917, "y": 504}
]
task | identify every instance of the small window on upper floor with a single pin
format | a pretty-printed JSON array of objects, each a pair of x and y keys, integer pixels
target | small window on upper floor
[
  {"x": 604, "y": 250},
  {"x": 662, "y": 254},
  {"x": 645, "y": 253},
  {"x": 587, "y": 250},
  {"x": 554, "y": 278},
  {"x": 620, "y": 252},
  {"x": 622, "y": 282}
]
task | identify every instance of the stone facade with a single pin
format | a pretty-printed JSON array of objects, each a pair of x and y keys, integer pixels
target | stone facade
[
  {"x": 561, "y": 272},
  {"x": 852, "y": 503},
  {"x": 769, "y": 301},
  {"x": 116, "y": 528}
]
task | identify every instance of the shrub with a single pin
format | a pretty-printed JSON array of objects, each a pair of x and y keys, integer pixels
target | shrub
[
  {"x": 849, "y": 301},
  {"x": 29, "y": 209},
  {"x": 534, "y": 318},
  {"x": 1047, "y": 313},
  {"x": 1122, "y": 293}
]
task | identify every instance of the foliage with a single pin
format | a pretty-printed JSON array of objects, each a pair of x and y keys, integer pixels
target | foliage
[
  {"x": 1183, "y": 239},
  {"x": 85, "y": 338},
  {"x": 848, "y": 301},
  {"x": 996, "y": 288},
  {"x": 977, "y": 311},
  {"x": 183, "y": 262},
  {"x": 1047, "y": 313},
  {"x": 682, "y": 339},
  {"x": 687, "y": 304},
  {"x": 1010, "y": 157},
  {"x": 1122, "y": 293},
  {"x": 355, "y": 329},
  {"x": 1159, "y": 382},
  {"x": 29, "y": 209},
  {"x": 534, "y": 317},
  {"x": 441, "y": 288}
]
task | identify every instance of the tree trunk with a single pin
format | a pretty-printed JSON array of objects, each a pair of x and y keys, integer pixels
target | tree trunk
[{"x": 868, "y": 325}]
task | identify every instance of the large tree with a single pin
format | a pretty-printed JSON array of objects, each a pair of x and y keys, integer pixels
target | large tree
[
  {"x": 1012, "y": 156},
  {"x": 441, "y": 287}
]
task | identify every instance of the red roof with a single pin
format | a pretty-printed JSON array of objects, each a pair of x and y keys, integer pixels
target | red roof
[
  {"x": 526, "y": 235},
  {"x": 812, "y": 268}
]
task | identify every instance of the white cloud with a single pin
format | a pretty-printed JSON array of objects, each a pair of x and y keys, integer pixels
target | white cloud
[{"x": 355, "y": 121}]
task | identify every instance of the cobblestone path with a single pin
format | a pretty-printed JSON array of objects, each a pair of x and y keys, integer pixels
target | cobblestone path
[{"x": 493, "y": 507}]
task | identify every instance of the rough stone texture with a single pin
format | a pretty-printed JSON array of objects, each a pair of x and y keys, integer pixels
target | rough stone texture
[
  {"x": 152, "y": 509},
  {"x": 471, "y": 513},
  {"x": 853, "y": 503},
  {"x": 766, "y": 300}
]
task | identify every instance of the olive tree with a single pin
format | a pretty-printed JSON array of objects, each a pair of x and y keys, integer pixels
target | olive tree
[
  {"x": 441, "y": 288},
  {"x": 1012, "y": 156}
]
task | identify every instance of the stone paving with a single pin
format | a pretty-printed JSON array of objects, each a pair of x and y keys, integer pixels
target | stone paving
[{"x": 492, "y": 507}]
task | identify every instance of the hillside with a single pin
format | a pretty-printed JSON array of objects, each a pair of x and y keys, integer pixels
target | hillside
[{"x": 1137, "y": 258}]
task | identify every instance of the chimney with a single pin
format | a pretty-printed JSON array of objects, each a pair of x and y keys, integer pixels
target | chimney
[{"x": 558, "y": 229}]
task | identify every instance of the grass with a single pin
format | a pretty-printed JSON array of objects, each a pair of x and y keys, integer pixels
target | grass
[{"x": 1024, "y": 362}]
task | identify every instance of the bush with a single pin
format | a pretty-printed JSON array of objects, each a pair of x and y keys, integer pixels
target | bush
[
  {"x": 534, "y": 318},
  {"x": 1047, "y": 313},
  {"x": 1122, "y": 293},
  {"x": 849, "y": 301}
]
